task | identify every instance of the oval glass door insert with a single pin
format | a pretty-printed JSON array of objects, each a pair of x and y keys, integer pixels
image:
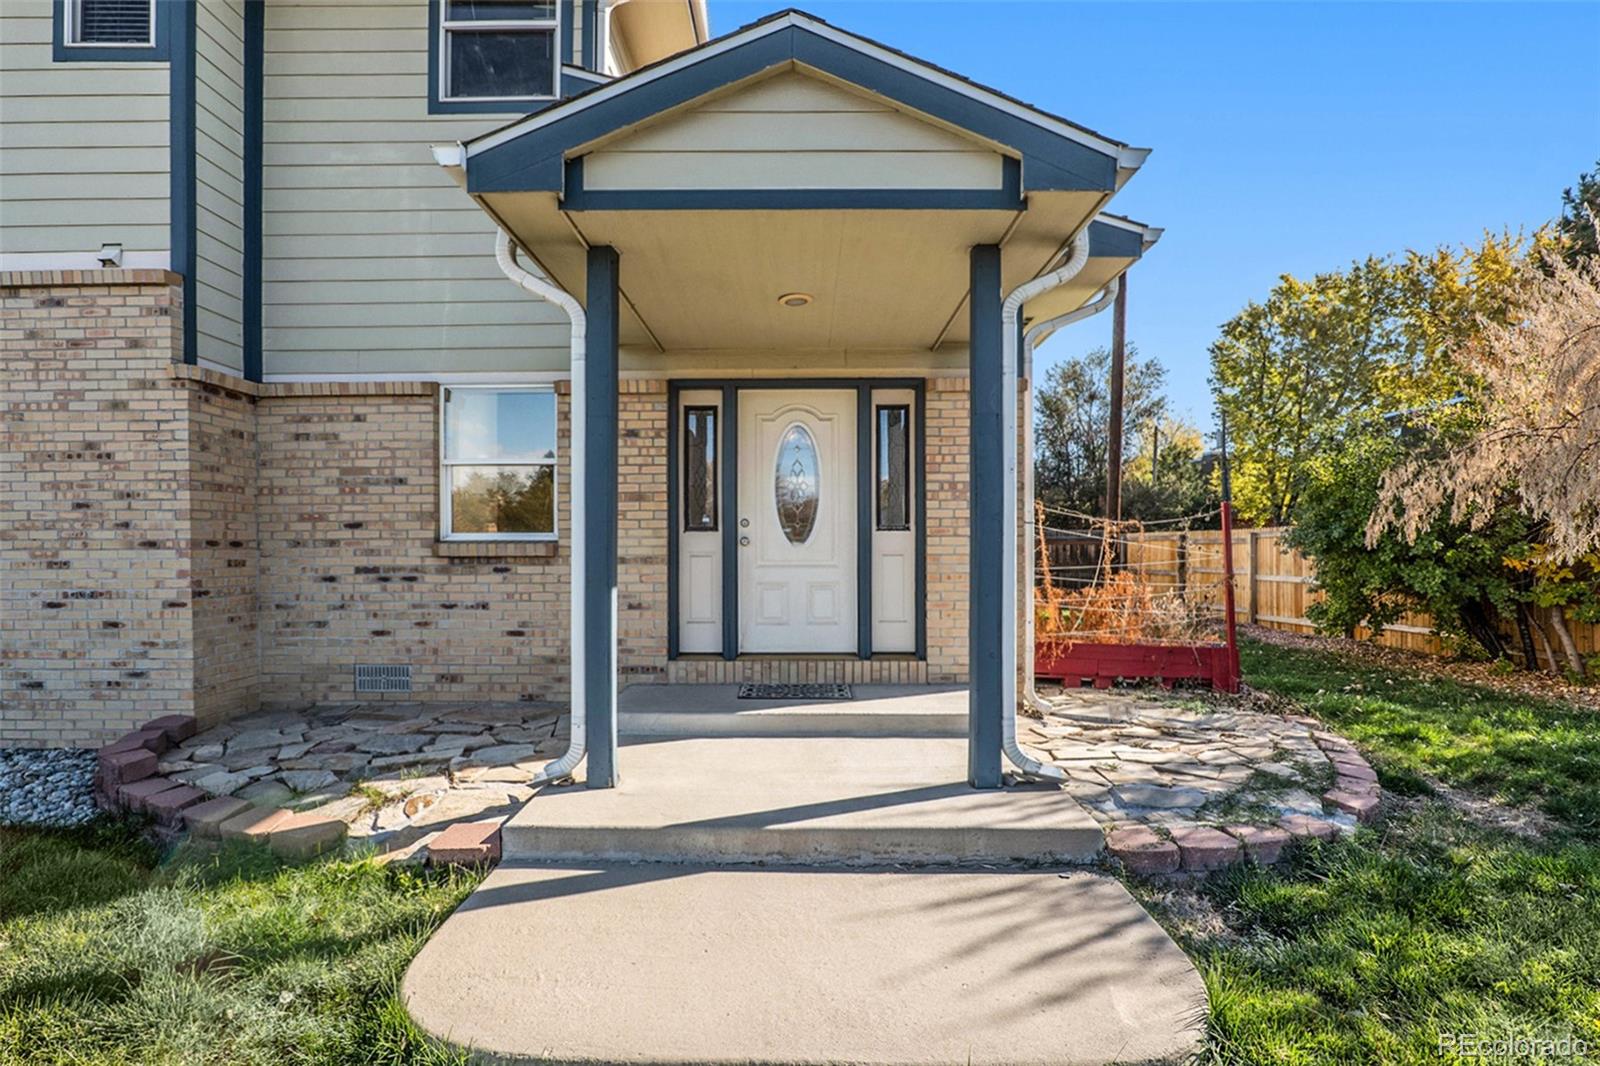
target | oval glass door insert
[{"x": 796, "y": 486}]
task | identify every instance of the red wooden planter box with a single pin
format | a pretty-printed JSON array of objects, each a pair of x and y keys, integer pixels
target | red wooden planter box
[{"x": 1104, "y": 664}]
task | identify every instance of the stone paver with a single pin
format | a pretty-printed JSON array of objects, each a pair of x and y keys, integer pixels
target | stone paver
[
  {"x": 303, "y": 835},
  {"x": 204, "y": 820},
  {"x": 467, "y": 843},
  {"x": 389, "y": 773},
  {"x": 1197, "y": 789}
]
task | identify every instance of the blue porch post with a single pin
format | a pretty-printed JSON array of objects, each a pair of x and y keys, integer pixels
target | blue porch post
[
  {"x": 600, "y": 495},
  {"x": 986, "y": 502}
]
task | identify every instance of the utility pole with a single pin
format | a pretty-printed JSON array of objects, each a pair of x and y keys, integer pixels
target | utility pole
[{"x": 1119, "y": 331}]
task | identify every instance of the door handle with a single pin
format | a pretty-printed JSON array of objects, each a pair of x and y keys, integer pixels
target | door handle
[{"x": 744, "y": 542}]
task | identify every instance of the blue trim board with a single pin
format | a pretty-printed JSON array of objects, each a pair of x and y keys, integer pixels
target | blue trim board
[
  {"x": 599, "y": 668},
  {"x": 864, "y": 496},
  {"x": 986, "y": 575},
  {"x": 534, "y": 160},
  {"x": 1007, "y": 198},
  {"x": 565, "y": 22},
  {"x": 181, "y": 80},
  {"x": 730, "y": 528},
  {"x": 728, "y": 487},
  {"x": 255, "y": 21},
  {"x": 673, "y": 525},
  {"x": 591, "y": 34},
  {"x": 157, "y": 52},
  {"x": 1114, "y": 242}
]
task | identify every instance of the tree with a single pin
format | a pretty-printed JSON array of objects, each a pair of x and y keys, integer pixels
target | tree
[
  {"x": 1533, "y": 445},
  {"x": 1072, "y": 422},
  {"x": 1169, "y": 475},
  {"x": 1580, "y": 208},
  {"x": 1295, "y": 372}
]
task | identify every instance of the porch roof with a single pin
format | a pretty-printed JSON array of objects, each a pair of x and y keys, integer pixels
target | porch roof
[{"x": 876, "y": 232}]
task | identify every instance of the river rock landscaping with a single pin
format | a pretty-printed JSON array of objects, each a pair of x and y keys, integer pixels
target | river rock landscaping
[{"x": 51, "y": 787}]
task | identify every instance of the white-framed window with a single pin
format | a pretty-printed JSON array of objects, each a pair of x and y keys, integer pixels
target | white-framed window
[
  {"x": 498, "y": 50},
  {"x": 109, "y": 23},
  {"x": 497, "y": 463}
]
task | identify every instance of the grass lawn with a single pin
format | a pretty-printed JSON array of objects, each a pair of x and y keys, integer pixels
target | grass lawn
[
  {"x": 110, "y": 955},
  {"x": 1371, "y": 949}
]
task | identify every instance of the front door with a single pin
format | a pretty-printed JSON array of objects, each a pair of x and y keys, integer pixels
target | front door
[{"x": 797, "y": 520}]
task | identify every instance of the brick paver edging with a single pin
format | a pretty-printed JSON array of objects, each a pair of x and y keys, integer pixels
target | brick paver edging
[
  {"x": 1198, "y": 849},
  {"x": 126, "y": 780}
]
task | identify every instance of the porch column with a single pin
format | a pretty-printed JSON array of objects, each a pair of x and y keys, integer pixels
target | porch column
[
  {"x": 599, "y": 487},
  {"x": 986, "y": 503}
]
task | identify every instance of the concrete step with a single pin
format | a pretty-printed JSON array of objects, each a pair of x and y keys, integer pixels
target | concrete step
[
  {"x": 801, "y": 800},
  {"x": 716, "y": 711},
  {"x": 676, "y": 964}
]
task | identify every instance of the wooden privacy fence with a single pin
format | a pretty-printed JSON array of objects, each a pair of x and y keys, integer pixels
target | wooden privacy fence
[{"x": 1274, "y": 584}]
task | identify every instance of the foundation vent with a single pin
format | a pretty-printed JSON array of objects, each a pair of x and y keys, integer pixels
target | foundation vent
[{"x": 381, "y": 677}]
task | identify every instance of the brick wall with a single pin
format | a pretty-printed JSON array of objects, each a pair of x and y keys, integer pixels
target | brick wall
[
  {"x": 224, "y": 556},
  {"x": 351, "y": 571},
  {"x": 948, "y": 526},
  {"x": 96, "y": 631},
  {"x": 177, "y": 540}
]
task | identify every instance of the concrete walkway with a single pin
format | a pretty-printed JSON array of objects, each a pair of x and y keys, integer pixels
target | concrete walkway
[
  {"x": 655, "y": 963},
  {"x": 777, "y": 892}
]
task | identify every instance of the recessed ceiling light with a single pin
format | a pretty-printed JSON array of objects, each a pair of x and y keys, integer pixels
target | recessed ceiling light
[{"x": 795, "y": 299}]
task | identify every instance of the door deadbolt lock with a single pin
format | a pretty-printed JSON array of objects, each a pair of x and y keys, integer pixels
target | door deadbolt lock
[{"x": 744, "y": 523}]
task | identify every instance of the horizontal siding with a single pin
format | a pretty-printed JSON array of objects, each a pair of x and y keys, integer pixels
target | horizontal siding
[
  {"x": 83, "y": 149},
  {"x": 219, "y": 181},
  {"x": 374, "y": 261},
  {"x": 793, "y": 131}
]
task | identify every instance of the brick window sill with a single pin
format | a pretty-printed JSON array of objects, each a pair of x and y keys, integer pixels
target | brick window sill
[{"x": 496, "y": 549}]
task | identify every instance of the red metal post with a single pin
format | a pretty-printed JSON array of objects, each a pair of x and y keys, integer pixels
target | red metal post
[{"x": 1232, "y": 680}]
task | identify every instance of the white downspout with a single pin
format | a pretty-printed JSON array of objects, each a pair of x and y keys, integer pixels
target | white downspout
[
  {"x": 505, "y": 254},
  {"x": 1010, "y": 312},
  {"x": 1037, "y": 334}
]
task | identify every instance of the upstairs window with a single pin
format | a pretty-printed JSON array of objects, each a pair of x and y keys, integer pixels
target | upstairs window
[
  {"x": 497, "y": 50},
  {"x": 110, "y": 23}
]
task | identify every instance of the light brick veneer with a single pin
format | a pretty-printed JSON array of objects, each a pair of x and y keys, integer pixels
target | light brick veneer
[
  {"x": 105, "y": 544},
  {"x": 177, "y": 540}
]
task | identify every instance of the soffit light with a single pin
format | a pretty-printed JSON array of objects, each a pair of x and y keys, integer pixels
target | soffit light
[{"x": 795, "y": 299}]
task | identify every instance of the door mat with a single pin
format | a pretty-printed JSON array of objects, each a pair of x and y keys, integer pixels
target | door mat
[{"x": 770, "y": 691}]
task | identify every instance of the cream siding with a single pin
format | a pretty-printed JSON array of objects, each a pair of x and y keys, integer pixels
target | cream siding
[
  {"x": 793, "y": 131},
  {"x": 83, "y": 152},
  {"x": 373, "y": 260},
  {"x": 219, "y": 181}
]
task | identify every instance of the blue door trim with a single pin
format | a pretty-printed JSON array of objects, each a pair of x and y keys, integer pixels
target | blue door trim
[{"x": 729, "y": 488}]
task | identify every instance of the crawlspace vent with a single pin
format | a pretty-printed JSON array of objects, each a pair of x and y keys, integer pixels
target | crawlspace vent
[{"x": 381, "y": 677}]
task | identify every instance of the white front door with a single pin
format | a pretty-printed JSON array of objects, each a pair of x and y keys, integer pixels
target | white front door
[{"x": 797, "y": 520}]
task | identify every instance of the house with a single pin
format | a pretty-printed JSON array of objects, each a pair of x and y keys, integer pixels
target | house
[{"x": 514, "y": 349}]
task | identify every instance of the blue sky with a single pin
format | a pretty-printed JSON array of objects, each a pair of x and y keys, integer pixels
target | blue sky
[{"x": 1288, "y": 137}]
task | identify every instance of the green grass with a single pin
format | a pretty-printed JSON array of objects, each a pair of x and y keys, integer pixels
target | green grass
[
  {"x": 1511, "y": 748},
  {"x": 110, "y": 955},
  {"x": 1372, "y": 948}
]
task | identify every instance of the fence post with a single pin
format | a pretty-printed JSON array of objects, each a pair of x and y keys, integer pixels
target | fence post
[
  {"x": 1183, "y": 567},
  {"x": 1250, "y": 577}
]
